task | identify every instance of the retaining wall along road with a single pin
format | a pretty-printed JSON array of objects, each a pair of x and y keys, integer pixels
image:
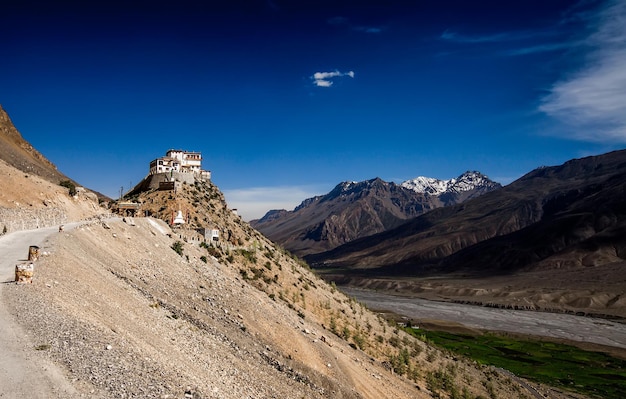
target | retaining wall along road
[{"x": 28, "y": 219}]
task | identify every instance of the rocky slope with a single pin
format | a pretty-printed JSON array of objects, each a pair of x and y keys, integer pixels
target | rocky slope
[
  {"x": 357, "y": 209},
  {"x": 136, "y": 309},
  {"x": 31, "y": 196},
  {"x": 28, "y": 202},
  {"x": 20, "y": 154}
]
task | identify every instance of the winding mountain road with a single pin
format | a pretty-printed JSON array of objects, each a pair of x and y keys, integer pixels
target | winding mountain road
[{"x": 24, "y": 372}]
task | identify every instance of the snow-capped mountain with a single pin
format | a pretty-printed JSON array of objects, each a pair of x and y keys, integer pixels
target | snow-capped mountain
[
  {"x": 468, "y": 181},
  {"x": 356, "y": 209},
  {"x": 427, "y": 185}
]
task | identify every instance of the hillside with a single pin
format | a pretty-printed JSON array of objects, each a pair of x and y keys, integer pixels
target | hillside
[
  {"x": 132, "y": 310},
  {"x": 20, "y": 154},
  {"x": 358, "y": 209},
  {"x": 562, "y": 225},
  {"x": 31, "y": 196},
  {"x": 28, "y": 201}
]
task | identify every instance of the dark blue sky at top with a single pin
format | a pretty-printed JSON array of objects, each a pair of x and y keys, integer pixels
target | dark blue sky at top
[{"x": 411, "y": 88}]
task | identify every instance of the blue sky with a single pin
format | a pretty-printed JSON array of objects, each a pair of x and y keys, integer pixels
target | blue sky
[{"x": 285, "y": 99}]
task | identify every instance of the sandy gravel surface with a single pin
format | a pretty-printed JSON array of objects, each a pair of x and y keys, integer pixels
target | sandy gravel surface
[
  {"x": 124, "y": 315},
  {"x": 556, "y": 325},
  {"x": 24, "y": 372}
]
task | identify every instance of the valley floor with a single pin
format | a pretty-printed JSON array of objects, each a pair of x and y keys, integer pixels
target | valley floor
[{"x": 600, "y": 334}]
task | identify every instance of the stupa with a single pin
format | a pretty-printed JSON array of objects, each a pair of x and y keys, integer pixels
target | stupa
[{"x": 179, "y": 219}]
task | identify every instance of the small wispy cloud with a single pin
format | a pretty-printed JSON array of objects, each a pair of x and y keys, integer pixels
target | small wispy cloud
[
  {"x": 345, "y": 22},
  {"x": 592, "y": 101},
  {"x": 368, "y": 29},
  {"x": 325, "y": 79},
  {"x": 542, "y": 48},
  {"x": 513, "y": 37},
  {"x": 452, "y": 36},
  {"x": 254, "y": 202}
]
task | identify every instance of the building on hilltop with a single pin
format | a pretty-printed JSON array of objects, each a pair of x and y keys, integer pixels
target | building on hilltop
[
  {"x": 171, "y": 172},
  {"x": 180, "y": 161}
]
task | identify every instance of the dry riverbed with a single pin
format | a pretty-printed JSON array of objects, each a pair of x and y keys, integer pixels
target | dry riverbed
[{"x": 561, "y": 326}]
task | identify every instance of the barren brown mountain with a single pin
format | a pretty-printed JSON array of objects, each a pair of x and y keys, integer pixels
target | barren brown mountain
[
  {"x": 31, "y": 196},
  {"x": 136, "y": 308},
  {"x": 18, "y": 153},
  {"x": 555, "y": 237},
  {"x": 358, "y": 209}
]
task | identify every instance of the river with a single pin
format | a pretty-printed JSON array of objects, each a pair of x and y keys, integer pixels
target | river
[{"x": 555, "y": 325}]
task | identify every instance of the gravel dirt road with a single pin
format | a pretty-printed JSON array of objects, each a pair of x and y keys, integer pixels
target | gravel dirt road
[{"x": 24, "y": 373}]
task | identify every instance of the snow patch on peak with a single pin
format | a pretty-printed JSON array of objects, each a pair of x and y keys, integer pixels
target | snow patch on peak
[
  {"x": 468, "y": 181},
  {"x": 426, "y": 185},
  {"x": 347, "y": 185}
]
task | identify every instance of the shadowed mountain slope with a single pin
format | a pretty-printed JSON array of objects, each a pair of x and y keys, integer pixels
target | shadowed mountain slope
[{"x": 572, "y": 215}]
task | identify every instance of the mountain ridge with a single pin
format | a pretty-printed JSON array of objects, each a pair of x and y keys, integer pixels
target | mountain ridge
[
  {"x": 467, "y": 181},
  {"x": 356, "y": 209},
  {"x": 20, "y": 154},
  {"x": 552, "y": 223}
]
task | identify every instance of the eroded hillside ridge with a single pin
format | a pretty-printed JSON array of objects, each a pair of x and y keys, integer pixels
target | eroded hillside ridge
[
  {"x": 31, "y": 196},
  {"x": 357, "y": 209},
  {"x": 20, "y": 154},
  {"x": 29, "y": 202},
  {"x": 140, "y": 309}
]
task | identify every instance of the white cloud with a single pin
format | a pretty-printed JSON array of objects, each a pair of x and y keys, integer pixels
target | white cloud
[
  {"x": 592, "y": 101},
  {"x": 323, "y": 83},
  {"x": 542, "y": 48},
  {"x": 452, "y": 36},
  {"x": 254, "y": 202},
  {"x": 324, "y": 79}
]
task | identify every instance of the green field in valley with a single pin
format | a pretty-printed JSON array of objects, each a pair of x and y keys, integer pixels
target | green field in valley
[{"x": 592, "y": 373}]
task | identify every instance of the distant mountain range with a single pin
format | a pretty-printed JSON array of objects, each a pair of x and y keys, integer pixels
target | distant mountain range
[
  {"x": 567, "y": 217},
  {"x": 358, "y": 209}
]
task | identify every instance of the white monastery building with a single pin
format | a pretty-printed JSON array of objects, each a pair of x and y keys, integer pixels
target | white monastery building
[{"x": 179, "y": 161}]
